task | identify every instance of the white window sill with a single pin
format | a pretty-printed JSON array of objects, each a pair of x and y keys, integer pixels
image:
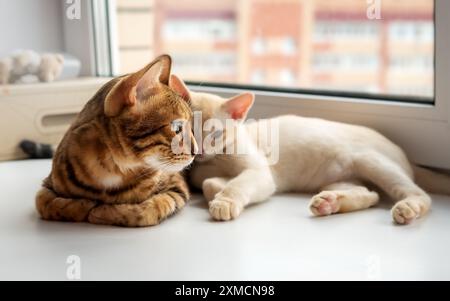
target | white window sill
[{"x": 57, "y": 86}]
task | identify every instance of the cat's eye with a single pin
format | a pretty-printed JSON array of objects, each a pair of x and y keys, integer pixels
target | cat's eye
[{"x": 177, "y": 126}]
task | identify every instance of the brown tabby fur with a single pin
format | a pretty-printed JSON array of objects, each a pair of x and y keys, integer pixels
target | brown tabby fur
[{"x": 111, "y": 137}]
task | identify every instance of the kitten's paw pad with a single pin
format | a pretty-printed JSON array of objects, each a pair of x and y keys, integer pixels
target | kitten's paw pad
[
  {"x": 224, "y": 209},
  {"x": 406, "y": 211},
  {"x": 324, "y": 203}
]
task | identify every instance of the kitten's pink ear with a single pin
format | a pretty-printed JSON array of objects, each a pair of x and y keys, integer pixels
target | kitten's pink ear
[
  {"x": 239, "y": 105},
  {"x": 138, "y": 86},
  {"x": 178, "y": 85}
]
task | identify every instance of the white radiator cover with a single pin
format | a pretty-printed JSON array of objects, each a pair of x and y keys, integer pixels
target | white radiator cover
[{"x": 40, "y": 112}]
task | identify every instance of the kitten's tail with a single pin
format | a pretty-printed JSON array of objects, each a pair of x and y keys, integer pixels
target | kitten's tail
[
  {"x": 432, "y": 181},
  {"x": 36, "y": 150}
]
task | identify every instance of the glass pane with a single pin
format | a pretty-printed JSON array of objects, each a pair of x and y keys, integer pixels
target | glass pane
[{"x": 375, "y": 46}]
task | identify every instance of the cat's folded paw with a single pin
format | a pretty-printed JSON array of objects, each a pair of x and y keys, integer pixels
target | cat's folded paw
[
  {"x": 123, "y": 215},
  {"x": 406, "y": 211},
  {"x": 224, "y": 209},
  {"x": 101, "y": 215},
  {"x": 324, "y": 203}
]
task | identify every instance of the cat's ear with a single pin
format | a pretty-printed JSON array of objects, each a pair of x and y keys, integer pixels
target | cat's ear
[
  {"x": 239, "y": 105},
  {"x": 154, "y": 74},
  {"x": 138, "y": 86},
  {"x": 178, "y": 85}
]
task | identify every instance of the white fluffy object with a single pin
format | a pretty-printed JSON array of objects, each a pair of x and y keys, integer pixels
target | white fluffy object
[{"x": 27, "y": 65}]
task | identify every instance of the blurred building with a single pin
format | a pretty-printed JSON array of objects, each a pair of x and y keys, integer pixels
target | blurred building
[{"x": 318, "y": 44}]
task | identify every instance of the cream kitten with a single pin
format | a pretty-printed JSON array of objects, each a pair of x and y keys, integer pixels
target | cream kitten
[{"x": 335, "y": 160}]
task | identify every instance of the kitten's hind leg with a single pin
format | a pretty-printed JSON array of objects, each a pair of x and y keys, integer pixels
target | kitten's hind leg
[
  {"x": 412, "y": 201},
  {"x": 342, "y": 197},
  {"x": 52, "y": 207}
]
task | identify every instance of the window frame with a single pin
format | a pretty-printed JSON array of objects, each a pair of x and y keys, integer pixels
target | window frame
[{"x": 417, "y": 126}]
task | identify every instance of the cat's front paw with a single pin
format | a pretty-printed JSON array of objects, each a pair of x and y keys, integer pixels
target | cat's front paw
[
  {"x": 224, "y": 209},
  {"x": 124, "y": 215},
  {"x": 324, "y": 203},
  {"x": 406, "y": 211}
]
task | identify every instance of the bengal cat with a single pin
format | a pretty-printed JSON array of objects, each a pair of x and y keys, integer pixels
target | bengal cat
[{"x": 115, "y": 165}]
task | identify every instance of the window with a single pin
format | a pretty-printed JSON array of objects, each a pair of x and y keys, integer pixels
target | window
[
  {"x": 318, "y": 58},
  {"x": 297, "y": 44}
]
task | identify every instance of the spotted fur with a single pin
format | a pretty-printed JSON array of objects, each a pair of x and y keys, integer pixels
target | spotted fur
[{"x": 100, "y": 171}]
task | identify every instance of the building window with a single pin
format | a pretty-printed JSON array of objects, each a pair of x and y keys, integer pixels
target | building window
[{"x": 232, "y": 41}]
